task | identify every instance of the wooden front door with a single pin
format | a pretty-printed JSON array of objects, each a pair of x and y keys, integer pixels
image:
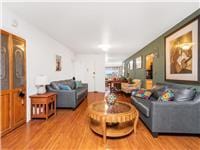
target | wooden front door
[
  {"x": 5, "y": 95},
  {"x": 19, "y": 82},
  {"x": 13, "y": 82}
]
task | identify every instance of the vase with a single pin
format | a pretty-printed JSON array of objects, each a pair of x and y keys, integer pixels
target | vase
[{"x": 111, "y": 99}]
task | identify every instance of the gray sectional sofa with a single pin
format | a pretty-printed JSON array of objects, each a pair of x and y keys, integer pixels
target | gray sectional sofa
[
  {"x": 178, "y": 116},
  {"x": 68, "y": 98}
]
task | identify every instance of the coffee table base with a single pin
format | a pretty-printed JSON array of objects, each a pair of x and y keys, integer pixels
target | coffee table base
[
  {"x": 115, "y": 130},
  {"x": 116, "y": 121}
]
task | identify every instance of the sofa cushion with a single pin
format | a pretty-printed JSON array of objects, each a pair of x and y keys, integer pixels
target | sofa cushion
[
  {"x": 80, "y": 92},
  {"x": 142, "y": 105},
  {"x": 185, "y": 94},
  {"x": 71, "y": 83},
  {"x": 64, "y": 87},
  {"x": 197, "y": 96},
  {"x": 152, "y": 99}
]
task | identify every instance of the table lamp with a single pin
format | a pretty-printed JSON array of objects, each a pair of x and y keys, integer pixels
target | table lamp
[{"x": 40, "y": 83}]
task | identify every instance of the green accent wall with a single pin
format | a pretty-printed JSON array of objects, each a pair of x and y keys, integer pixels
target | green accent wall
[{"x": 158, "y": 45}]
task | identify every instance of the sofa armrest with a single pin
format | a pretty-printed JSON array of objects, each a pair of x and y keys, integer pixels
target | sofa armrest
[
  {"x": 175, "y": 116},
  {"x": 85, "y": 85}
]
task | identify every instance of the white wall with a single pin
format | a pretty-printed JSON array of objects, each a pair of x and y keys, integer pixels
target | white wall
[
  {"x": 41, "y": 52},
  {"x": 85, "y": 65}
]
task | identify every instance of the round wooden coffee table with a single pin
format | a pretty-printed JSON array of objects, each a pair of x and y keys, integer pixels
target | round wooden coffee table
[{"x": 114, "y": 121}]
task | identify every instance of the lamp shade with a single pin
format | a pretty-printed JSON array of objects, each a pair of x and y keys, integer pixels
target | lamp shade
[{"x": 41, "y": 80}]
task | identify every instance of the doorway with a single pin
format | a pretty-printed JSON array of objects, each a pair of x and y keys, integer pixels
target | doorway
[{"x": 149, "y": 71}]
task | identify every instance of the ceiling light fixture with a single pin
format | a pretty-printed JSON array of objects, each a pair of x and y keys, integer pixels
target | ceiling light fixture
[{"x": 104, "y": 47}]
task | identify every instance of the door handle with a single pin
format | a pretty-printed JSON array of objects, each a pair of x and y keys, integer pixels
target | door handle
[{"x": 21, "y": 94}]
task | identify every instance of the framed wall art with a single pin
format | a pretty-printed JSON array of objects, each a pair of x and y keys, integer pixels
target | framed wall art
[
  {"x": 138, "y": 62},
  {"x": 131, "y": 64},
  {"x": 58, "y": 63},
  {"x": 181, "y": 54}
]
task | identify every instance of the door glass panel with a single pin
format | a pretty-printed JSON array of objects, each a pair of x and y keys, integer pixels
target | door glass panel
[
  {"x": 18, "y": 63},
  {"x": 4, "y": 67}
]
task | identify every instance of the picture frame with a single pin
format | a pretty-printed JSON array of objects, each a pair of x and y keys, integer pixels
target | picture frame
[
  {"x": 181, "y": 54},
  {"x": 123, "y": 69},
  {"x": 58, "y": 63},
  {"x": 131, "y": 64},
  {"x": 138, "y": 62},
  {"x": 128, "y": 67}
]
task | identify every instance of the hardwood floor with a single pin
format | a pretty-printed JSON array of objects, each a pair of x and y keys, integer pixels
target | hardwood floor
[{"x": 69, "y": 130}]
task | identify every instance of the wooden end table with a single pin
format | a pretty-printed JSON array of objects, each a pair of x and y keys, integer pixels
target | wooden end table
[
  {"x": 43, "y": 105},
  {"x": 114, "y": 121}
]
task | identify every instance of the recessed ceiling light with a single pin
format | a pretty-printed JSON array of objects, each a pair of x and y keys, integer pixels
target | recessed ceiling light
[{"x": 104, "y": 47}]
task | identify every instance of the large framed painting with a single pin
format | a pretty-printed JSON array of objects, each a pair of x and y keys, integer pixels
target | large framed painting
[
  {"x": 181, "y": 54},
  {"x": 138, "y": 62}
]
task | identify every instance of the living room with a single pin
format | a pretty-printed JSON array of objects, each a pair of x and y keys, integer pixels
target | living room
[{"x": 54, "y": 57}]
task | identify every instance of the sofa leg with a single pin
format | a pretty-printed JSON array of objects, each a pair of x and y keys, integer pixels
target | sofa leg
[{"x": 155, "y": 134}]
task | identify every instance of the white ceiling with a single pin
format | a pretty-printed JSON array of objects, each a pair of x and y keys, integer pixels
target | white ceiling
[{"x": 126, "y": 27}]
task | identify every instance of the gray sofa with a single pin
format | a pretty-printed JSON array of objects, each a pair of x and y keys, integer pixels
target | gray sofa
[
  {"x": 68, "y": 98},
  {"x": 172, "y": 116}
]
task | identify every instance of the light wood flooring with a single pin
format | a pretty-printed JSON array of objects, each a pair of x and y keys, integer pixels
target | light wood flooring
[{"x": 70, "y": 130}]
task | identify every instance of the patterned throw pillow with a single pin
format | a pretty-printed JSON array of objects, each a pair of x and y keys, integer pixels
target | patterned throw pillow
[
  {"x": 143, "y": 94},
  {"x": 157, "y": 90},
  {"x": 168, "y": 95}
]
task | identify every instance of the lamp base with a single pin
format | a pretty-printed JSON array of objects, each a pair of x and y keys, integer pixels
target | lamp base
[{"x": 41, "y": 89}]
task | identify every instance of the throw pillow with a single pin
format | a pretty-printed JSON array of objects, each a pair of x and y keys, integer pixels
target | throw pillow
[
  {"x": 157, "y": 90},
  {"x": 64, "y": 87},
  {"x": 55, "y": 85},
  {"x": 168, "y": 95},
  {"x": 185, "y": 94},
  {"x": 71, "y": 83},
  {"x": 143, "y": 93},
  {"x": 78, "y": 84}
]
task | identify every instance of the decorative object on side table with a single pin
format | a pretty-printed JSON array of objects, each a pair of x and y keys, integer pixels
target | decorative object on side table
[
  {"x": 40, "y": 83},
  {"x": 181, "y": 54}
]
